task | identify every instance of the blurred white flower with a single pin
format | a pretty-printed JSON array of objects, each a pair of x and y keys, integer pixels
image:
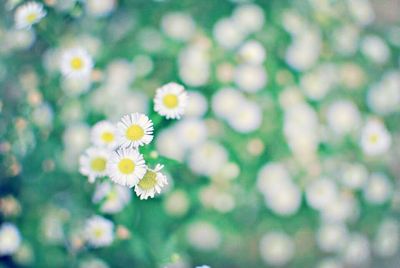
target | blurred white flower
[
  {"x": 225, "y": 102},
  {"x": 331, "y": 237},
  {"x": 286, "y": 201},
  {"x": 93, "y": 163},
  {"x": 120, "y": 74},
  {"x": 378, "y": 189},
  {"x": 28, "y": 14},
  {"x": 346, "y": 39},
  {"x": 170, "y": 101},
  {"x": 177, "y": 203},
  {"x": 384, "y": 98},
  {"x": 374, "y": 48},
  {"x": 135, "y": 130},
  {"x": 203, "y": 235},
  {"x": 126, "y": 167},
  {"x": 10, "y": 239},
  {"x": 357, "y": 251},
  {"x": 76, "y": 62},
  {"x": 191, "y": 132},
  {"x": 197, "y": 105},
  {"x": 113, "y": 197},
  {"x": 76, "y": 137},
  {"x": 343, "y": 117},
  {"x": 317, "y": 83},
  {"x": 151, "y": 183},
  {"x": 329, "y": 262},
  {"x": 93, "y": 263},
  {"x": 75, "y": 86},
  {"x": 249, "y": 18},
  {"x": 227, "y": 33},
  {"x": 362, "y": 11},
  {"x": 281, "y": 195},
  {"x": 354, "y": 176},
  {"x": 342, "y": 209},
  {"x": 301, "y": 130},
  {"x": 143, "y": 65},
  {"x": 293, "y": 22},
  {"x": 252, "y": 52},
  {"x": 43, "y": 115},
  {"x": 207, "y": 158},
  {"x": 387, "y": 239},
  {"x": 168, "y": 145},
  {"x": 194, "y": 65},
  {"x": 103, "y": 134},
  {"x": 304, "y": 51},
  {"x": 250, "y": 78},
  {"x": 321, "y": 192},
  {"x": 99, "y": 231},
  {"x": 178, "y": 25},
  {"x": 276, "y": 248},
  {"x": 375, "y": 139},
  {"x": 246, "y": 119},
  {"x": 100, "y": 8}
]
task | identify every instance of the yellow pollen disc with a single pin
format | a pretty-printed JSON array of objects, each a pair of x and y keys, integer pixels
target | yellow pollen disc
[
  {"x": 112, "y": 196},
  {"x": 31, "y": 17},
  {"x": 107, "y": 137},
  {"x": 134, "y": 133},
  {"x": 170, "y": 101},
  {"x": 148, "y": 181},
  {"x": 76, "y": 63},
  {"x": 373, "y": 138},
  {"x": 98, "y": 164},
  {"x": 126, "y": 166},
  {"x": 98, "y": 233}
]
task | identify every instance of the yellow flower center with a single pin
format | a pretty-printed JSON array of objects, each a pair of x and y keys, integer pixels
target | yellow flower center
[
  {"x": 76, "y": 63},
  {"x": 31, "y": 18},
  {"x": 126, "y": 166},
  {"x": 170, "y": 101},
  {"x": 148, "y": 181},
  {"x": 107, "y": 137},
  {"x": 98, "y": 164},
  {"x": 374, "y": 138},
  {"x": 134, "y": 133},
  {"x": 98, "y": 233},
  {"x": 112, "y": 195}
]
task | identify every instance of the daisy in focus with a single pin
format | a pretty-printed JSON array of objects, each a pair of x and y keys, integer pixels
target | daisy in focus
[
  {"x": 151, "y": 183},
  {"x": 126, "y": 167},
  {"x": 135, "y": 130},
  {"x": 29, "y": 14},
  {"x": 93, "y": 163},
  {"x": 375, "y": 139},
  {"x": 76, "y": 63},
  {"x": 99, "y": 231},
  {"x": 170, "y": 101},
  {"x": 104, "y": 135}
]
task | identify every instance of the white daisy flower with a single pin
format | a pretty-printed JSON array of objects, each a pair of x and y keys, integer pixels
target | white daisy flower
[
  {"x": 99, "y": 231},
  {"x": 126, "y": 167},
  {"x": 375, "y": 139},
  {"x": 29, "y": 14},
  {"x": 151, "y": 183},
  {"x": 93, "y": 163},
  {"x": 170, "y": 101},
  {"x": 104, "y": 134},
  {"x": 76, "y": 62},
  {"x": 135, "y": 130},
  {"x": 10, "y": 239}
]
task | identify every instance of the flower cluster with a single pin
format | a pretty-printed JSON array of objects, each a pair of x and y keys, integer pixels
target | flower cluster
[{"x": 116, "y": 151}]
